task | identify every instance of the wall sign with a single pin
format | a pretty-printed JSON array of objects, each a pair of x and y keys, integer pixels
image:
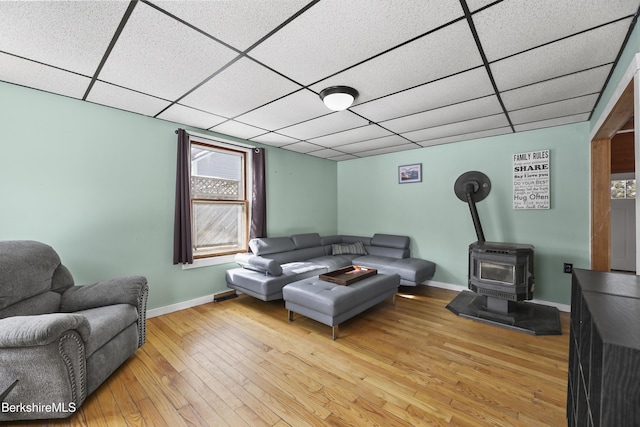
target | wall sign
[{"x": 531, "y": 181}]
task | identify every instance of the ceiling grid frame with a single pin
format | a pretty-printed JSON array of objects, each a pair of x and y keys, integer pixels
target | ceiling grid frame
[{"x": 415, "y": 88}]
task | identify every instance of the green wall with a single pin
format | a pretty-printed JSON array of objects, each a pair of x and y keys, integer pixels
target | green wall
[
  {"x": 302, "y": 194},
  {"x": 98, "y": 184},
  {"x": 370, "y": 200}
]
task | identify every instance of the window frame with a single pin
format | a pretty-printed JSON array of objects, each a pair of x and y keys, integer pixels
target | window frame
[{"x": 203, "y": 260}]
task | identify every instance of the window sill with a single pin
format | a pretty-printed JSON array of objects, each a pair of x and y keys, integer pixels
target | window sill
[{"x": 206, "y": 262}]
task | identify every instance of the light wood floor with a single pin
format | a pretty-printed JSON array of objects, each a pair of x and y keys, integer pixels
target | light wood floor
[{"x": 240, "y": 363}]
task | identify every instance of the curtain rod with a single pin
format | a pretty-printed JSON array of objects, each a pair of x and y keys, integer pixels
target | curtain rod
[{"x": 215, "y": 138}]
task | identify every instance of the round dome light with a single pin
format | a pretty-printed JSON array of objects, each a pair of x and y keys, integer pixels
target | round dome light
[{"x": 338, "y": 98}]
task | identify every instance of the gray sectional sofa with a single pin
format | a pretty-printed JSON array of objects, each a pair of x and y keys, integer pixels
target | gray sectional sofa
[{"x": 277, "y": 261}]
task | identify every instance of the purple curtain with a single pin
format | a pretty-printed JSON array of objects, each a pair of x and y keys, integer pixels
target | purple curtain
[
  {"x": 182, "y": 245},
  {"x": 259, "y": 200}
]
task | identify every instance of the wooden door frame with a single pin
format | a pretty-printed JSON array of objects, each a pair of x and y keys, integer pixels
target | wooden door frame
[{"x": 621, "y": 112}]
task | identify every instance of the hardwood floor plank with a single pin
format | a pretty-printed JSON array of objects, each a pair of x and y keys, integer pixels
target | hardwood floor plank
[
  {"x": 110, "y": 409},
  {"x": 412, "y": 363},
  {"x": 120, "y": 391}
]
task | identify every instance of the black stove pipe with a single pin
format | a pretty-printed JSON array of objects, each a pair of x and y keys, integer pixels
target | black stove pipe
[{"x": 470, "y": 189}]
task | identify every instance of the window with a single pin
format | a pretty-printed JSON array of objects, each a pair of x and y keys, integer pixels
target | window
[
  {"x": 623, "y": 189},
  {"x": 219, "y": 205}
]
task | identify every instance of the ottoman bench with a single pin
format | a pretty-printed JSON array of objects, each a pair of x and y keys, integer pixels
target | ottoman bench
[{"x": 332, "y": 304}]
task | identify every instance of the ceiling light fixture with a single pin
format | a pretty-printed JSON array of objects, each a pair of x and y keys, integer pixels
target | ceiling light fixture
[{"x": 338, "y": 98}]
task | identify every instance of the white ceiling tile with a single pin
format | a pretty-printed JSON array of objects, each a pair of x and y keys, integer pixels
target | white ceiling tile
[
  {"x": 124, "y": 99},
  {"x": 156, "y": 54},
  {"x": 72, "y": 35},
  {"x": 485, "y": 106},
  {"x": 239, "y": 130},
  {"x": 334, "y": 122},
  {"x": 587, "y": 50},
  {"x": 516, "y": 25},
  {"x": 326, "y": 153},
  {"x": 352, "y": 135},
  {"x": 449, "y": 90},
  {"x": 334, "y": 34},
  {"x": 295, "y": 108},
  {"x": 582, "y": 104},
  {"x": 477, "y": 4},
  {"x": 453, "y": 129},
  {"x": 576, "y": 118},
  {"x": 302, "y": 147},
  {"x": 467, "y": 136},
  {"x": 274, "y": 139},
  {"x": 387, "y": 150},
  {"x": 223, "y": 19},
  {"x": 343, "y": 157},
  {"x": 241, "y": 87},
  {"x": 581, "y": 83},
  {"x": 188, "y": 116},
  {"x": 430, "y": 58},
  {"x": 373, "y": 144},
  {"x": 43, "y": 77}
]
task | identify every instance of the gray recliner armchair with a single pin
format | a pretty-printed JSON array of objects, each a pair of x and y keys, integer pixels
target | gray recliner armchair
[{"x": 59, "y": 341}]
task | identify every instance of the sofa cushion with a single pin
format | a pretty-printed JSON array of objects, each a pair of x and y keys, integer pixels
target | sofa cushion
[
  {"x": 334, "y": 262},
  {"x": 390, "y": 241},
  {"x": 26, "y": 268},
  {"x": 47, "y": 302},
  {"x": 388, "y": 252},
  {"x": 356, "y": 248},
  {"x": 118, "y": 290},
  {"x": 297, "y": 255},
  {"x": 259, "y": 264},
  {"x": 352, "y": 239},
  {"x": 271, "y": 245},
  {"x": 330, "y": 240},
  {"x": 106, "y": 323},
  {"x": 308, "y": 240},
  {"x": 62, "y": 279}
]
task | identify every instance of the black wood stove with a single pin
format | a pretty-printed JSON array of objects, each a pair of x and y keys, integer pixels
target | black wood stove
[{"x": 501, "y": 275}]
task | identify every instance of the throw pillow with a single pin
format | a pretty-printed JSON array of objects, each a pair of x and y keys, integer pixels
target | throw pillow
[{"x": 356, "y": 248}]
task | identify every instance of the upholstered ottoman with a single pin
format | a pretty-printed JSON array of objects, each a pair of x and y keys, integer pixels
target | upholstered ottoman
[{"x": 332, "y": 304}]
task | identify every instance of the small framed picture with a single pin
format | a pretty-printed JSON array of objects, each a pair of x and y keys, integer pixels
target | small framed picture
[{"x": 410, "y": 173}]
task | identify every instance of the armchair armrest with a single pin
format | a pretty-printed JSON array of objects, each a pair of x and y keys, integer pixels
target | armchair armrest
[
  {"x": 123, "y": 290},
  {"x": 43, "y": 329},
  {"x": 42, "y": 360}
]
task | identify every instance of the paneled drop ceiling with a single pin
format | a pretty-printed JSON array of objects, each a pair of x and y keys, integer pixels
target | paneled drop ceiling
[{"x": 428, "y": 72}]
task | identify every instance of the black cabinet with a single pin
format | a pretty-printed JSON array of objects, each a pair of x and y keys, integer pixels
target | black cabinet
[{"x": 604, "y": 360}]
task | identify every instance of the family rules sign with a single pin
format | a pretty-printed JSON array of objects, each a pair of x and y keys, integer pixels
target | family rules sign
[{"x": 531, "y": 181}]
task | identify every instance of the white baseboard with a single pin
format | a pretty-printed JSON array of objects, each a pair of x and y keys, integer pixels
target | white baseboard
[
  {"x": 562, "y": 307},
  {"x": 209, "y": 298},
  {"x": 179, "y": 306},
  {"x": 443, "y": 285}
]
